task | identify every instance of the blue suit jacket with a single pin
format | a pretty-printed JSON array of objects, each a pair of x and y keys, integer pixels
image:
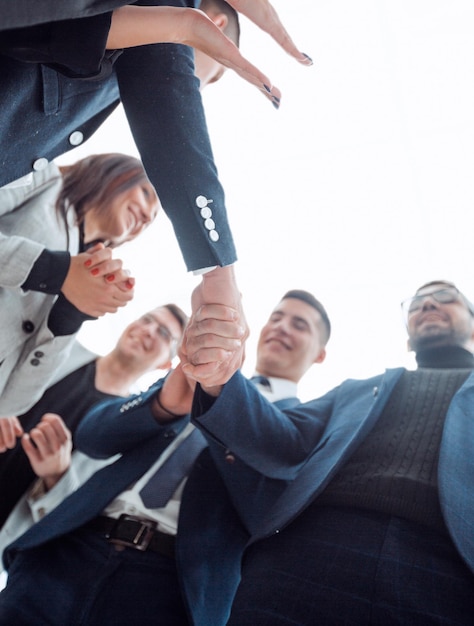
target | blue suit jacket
[
  {"x": 304, "y": 447},
  {"x": 42, "y": 114},
  {"x": 211, "y": 538}
]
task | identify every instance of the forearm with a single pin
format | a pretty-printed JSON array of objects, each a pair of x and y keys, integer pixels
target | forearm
[{"x": 138, "y": 25}]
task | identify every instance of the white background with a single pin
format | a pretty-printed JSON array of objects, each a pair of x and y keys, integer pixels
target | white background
[{"x": 358, "y": 189}]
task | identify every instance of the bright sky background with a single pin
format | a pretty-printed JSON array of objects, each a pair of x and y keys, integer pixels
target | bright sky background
[{"x": 358, "y": 189}]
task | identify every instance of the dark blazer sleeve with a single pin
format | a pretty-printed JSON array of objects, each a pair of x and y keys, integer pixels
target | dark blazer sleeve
[
  {"x": 274, "y": 442},
  {"x": 161, "y": 99},
  {"x": 119, "y": 425}
]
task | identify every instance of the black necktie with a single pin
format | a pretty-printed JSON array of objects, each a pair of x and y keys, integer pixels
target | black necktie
[
  {"x": 165, "y": 480},
  {"x": 261, "y": 380}
]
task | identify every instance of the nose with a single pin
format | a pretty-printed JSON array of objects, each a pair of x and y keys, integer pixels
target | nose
[{"x": 428, "y": 302}]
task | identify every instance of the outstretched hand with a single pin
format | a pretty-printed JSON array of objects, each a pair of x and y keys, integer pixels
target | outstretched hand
[
  {"x": 263, "y": 15},
  {"x": 137, "y": 25}
]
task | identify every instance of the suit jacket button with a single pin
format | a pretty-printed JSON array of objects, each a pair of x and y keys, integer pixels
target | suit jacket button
[
  {"x": 28, "y": 326},
  {"x": 229, "y": 457},
  {"x": 76, "y": 138},
  {"x": 35, "y": 362},
  {"x": 40, "y": 164},
  {"x": 39, "y": 354}
]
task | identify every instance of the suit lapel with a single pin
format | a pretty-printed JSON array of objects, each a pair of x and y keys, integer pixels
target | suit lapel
[{"x": 356, "y": 408}]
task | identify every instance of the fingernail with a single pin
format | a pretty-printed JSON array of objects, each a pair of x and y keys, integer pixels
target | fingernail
[
  {"x": 129, "y": 284},
  {"x": 276, "y": 103},
  {"x": 95, "y": 271},
  {"x": 110, "y": 277},
  {"x": 308, "y": 58},
  {"x": 88, "y": 263},
  {"x": 267, "y": 88}
]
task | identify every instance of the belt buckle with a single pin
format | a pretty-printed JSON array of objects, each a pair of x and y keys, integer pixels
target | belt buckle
[{"x": 142, "y": 538}]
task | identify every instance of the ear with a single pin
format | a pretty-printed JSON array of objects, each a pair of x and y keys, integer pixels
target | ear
[
  {"x": 321, "y": 356},
  {"x": 220, "y": 20}
]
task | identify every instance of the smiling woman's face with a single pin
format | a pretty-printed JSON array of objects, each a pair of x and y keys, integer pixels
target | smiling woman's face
[{"x": 127, "y": 215}]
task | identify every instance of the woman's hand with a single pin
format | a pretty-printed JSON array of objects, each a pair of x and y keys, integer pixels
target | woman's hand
[
  {"x": 96, "y": 283},
  {"x": 136, "y": 25}
]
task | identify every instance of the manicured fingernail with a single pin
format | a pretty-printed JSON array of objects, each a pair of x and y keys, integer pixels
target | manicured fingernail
[
  {"x": 88, "y": 263},
  {"x": 129, "y": 284},
  {"x": 95, "y": 271},
  {"x": 110, "y": 277},
  {"x": 276, "y": 104},
  {"x": 267, "y": 88},
  {"x": 308, "y": 58}
]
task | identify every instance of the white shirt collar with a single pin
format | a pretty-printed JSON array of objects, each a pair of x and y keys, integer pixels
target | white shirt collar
[{"x": 280, "y": 388}]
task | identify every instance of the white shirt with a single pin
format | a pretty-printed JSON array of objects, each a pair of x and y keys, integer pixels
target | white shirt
[{"x": 279, "y": 389}]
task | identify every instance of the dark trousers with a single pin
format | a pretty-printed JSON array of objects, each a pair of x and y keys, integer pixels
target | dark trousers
[
  {"x": 83, "y": 579},
  {"x": 338, "y": 567}
]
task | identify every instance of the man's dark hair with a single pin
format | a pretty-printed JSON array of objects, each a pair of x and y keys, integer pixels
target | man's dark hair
[
  {"x": 305, "y": 296},
  {"x": 178, "y": 313},
  {"x": 232, "y": 30}
]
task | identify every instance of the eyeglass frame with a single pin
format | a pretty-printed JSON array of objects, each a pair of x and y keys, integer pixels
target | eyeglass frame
[
  {"x": 164, "y": 333},
  {"x": 459, "y": 297}
]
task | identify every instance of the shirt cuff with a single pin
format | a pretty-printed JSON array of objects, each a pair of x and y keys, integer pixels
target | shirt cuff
[
  {"x": 64, "y": 318},
  {"x": 49, "y": 272}
]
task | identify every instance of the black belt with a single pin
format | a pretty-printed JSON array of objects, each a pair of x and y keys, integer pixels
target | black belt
[{"x": 134, "y": 532}]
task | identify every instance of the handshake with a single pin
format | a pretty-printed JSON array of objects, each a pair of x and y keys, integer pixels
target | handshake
[{"x": 213, "y": 346}]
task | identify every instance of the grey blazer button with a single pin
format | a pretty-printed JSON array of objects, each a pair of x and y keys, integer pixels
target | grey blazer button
[
  {"x": 39, "y": 354},
  {"x": 76, "y": 138},
  {"x": 40, "y": 164},
  {"x": 35, "y": 362},
  {"x": 28, "y": 326},
  {"x": 229, "y": 457}
]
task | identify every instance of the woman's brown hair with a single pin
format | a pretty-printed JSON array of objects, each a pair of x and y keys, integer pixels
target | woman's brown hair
[{"x": 93, "y": 182}]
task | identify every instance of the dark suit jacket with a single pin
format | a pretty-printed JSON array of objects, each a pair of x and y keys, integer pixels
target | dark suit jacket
[
  {"x": 211, "y": 538},
  {"x": 307, "y": 445},
  {"x": 43, "y": 111}
]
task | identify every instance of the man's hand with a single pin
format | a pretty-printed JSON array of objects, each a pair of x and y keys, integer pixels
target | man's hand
[
  {"x": 175, "y": 397},
  {"x": 48, "y": 447},
  {"x": 10, "y": 430},
  {"x": 214, "y": 341}
]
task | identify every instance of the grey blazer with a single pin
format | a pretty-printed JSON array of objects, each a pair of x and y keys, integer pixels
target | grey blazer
[{"x": 29, "y": 353}]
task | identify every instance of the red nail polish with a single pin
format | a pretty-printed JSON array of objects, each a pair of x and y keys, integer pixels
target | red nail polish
[
  {"x": 88, "y": 263},
  {"x": 129, "y": 284},
  {"x": 95, "y": 271},
  {"x": 110, "y": 277}
]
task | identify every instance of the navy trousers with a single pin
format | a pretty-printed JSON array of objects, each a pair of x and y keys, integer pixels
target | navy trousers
[
  {"x": 82, "y": 579},
  {"x": 338, "y": 567}
]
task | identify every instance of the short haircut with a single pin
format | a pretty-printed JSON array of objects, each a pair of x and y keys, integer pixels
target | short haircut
[
  {"x": 232, "y": 30},
  {"x": 448, "y": 283},
  {"x": 177, "y": 313},
  {"x": 305, "y": 296}
]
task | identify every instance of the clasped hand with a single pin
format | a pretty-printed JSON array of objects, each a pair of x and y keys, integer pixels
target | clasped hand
[{"x": 96, "y": 283}]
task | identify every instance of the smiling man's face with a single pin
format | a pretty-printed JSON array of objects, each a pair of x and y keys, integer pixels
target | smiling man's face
[
  {"x": 151, "y": 339},
  {"x": 291, "y": 341},
  {"x": 431, "y": 323}
]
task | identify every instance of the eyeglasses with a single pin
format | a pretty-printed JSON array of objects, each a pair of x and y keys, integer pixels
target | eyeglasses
[
  {"x": 163, "y": 331},
  {"x": 447, "y": 295}
]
